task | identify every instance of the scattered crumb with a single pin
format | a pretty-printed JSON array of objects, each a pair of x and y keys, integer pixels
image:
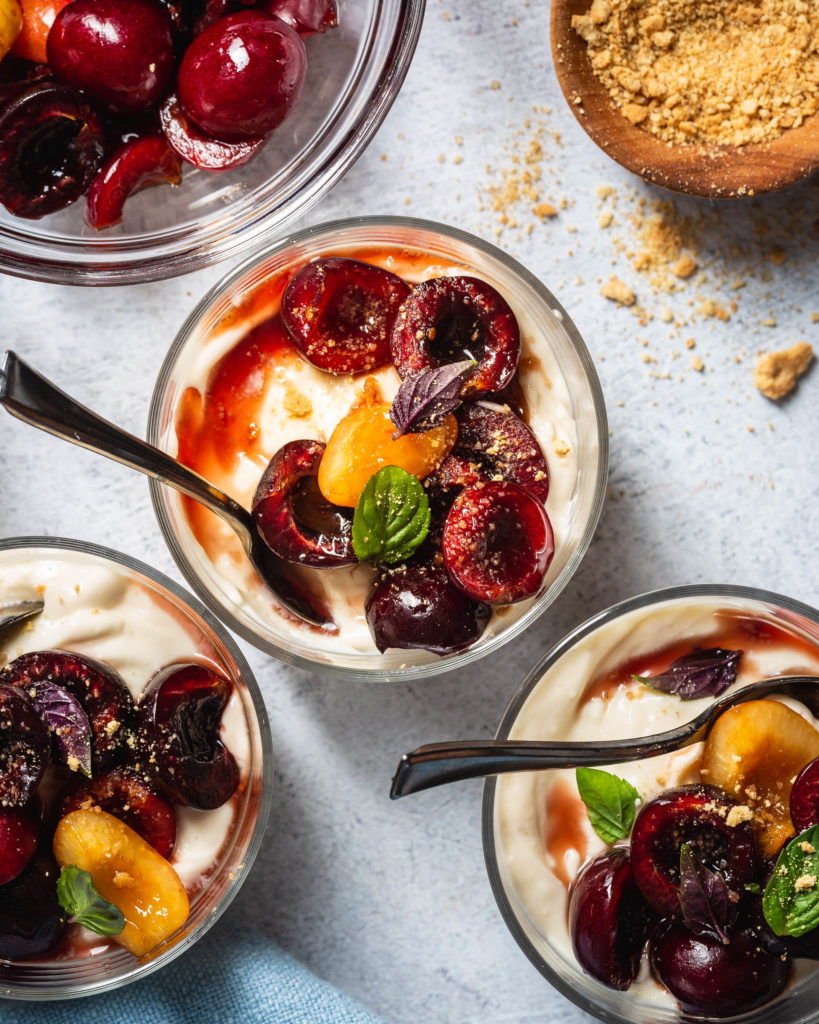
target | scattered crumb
[
  {"x": 807, "y": 847},
  {"x": 684, "y": 267},
  {"x": 295, "y": 403},
  {"x": 805, "y": 882},
  {"x": 776, "y": 373},
  {"x": 697, "y": 364},
  {"x": 738, "y": 814},
  {"x": 618, "y": 291}
]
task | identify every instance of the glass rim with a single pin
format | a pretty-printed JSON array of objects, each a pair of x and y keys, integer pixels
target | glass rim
[
  {"x": 135, "y": 262},
  {"x": 142, "y": 969},
  {"x": 510, "y": 714},
  {"x": 449, "y": 662}
]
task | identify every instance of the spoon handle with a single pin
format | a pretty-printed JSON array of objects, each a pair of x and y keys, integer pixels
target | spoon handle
[
  {"x": 27, "y": 395},
  {"x": 438, "y": 763}
]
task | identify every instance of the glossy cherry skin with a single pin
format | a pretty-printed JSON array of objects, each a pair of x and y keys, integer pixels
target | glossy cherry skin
[
  {"x": 129, "y": 796},
  {"x": 105, "y": 698},
  {"x": 497, "y": 543},
  {"x": 493, "y": 441},
  {"x": 51, "y": 146},
  {"x": 133, "y": 166},
  {"x": 447, "y": 319},
  {"x": 713, "y": 979},
  {"x": 19, "y": 829},
  {"x": 804, "y": 802},
  {"x": 293, "y": 516},
  {"x": 198, "y": 148},
  {"x": 178, "y": 735},
  {"x": 240, "y": 78},
  {"x": 418, "y": 607},
  {"x": 32, "y": 922},
  {"x": 25, "y": 743},
  {"x": 305, "y": 16},
  {"x": 696, "y": 815},
  {"x": 609, "y": 921},
  {"x": 340, "y": 313},
  {"x": 118, "y": 52}
]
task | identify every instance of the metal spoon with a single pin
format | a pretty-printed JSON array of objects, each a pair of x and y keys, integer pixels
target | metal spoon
[
  {"x": 27, "y": 395},
  {"x": 437, "y": 763},
  {"x": 20, "y": 611}
]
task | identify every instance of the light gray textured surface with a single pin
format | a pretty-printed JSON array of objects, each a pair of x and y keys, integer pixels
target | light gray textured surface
[{"x": 390, "y": 901}]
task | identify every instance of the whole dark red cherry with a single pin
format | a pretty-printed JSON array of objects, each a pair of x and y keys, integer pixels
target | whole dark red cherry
[
  {"x": 177, "y": 735},
  {"x": 418, "y": 607},
  {"x": 127, "y": 795},
  {"x": 497, "y": 542},
  {"x": 198, "y": 148},
  {"x": 293, "y": 516},
  {"x": 340, "y": 313},
  {"x": 105, "y": 698},
  {"x": 240, "y": 78},
  {"x": 609, "y": 921},
  {"x": 714, "y": 979},
  {"x": 447, "y": 319},
  {"x": 305, "y": 16},
  {"x": 19, "y": 829},
  {"x": 25, "y": 743},
  {"x": 32, "y": 922},
  {"x": 697, "y": 815},
  {"x": 51, "y": 146},
  {"x": 118, "y": 52},
  {"x": 134, "y": 165}
]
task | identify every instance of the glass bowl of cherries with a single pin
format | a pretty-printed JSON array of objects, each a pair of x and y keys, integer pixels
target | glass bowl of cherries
[
  {"x": 135, "y": 769},
  {"x": 418, "y": 430},
  {"x": 682, "y": 886},
  {"x": 242, "y": 113}
]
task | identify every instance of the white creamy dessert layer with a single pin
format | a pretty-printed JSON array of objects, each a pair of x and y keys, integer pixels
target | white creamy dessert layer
[
  {"x": 95, "y": 609},
  {"x": 556, "y": 710},
  {"x": 329, "y": 399}
]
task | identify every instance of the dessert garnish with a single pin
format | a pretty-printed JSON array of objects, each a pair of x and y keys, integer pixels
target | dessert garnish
[
  {"x": 79, "y": 898},
  {"x": 610, "y": 802},
  {"x": 114, "y": 773},
  {"x": 713, "y": 880},
  {"x": 443, "y": 489},
  {"x": 702, "y": 673},
  {"x": 391, "y": 518},
  {"x": 109, "y": 96}
]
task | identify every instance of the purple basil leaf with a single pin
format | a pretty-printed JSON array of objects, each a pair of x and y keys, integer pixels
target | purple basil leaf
[
  {"x": 705, "y": 899},
  {"x": 703, "y": 673},
  {"x": 65, "y": 717},
  {"x": 426, "y": 398}
]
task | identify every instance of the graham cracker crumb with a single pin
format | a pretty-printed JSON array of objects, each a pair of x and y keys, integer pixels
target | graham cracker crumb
[
  {"x": 738, "y": 814},
  {"x": 295, "y": 403},
  {"x": 805, "y": 882},
  {"x": 776, "y": 373},
  {"x": 618, "y": 291}
]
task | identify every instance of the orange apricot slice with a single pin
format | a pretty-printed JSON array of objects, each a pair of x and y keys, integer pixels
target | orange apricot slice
[
  {"x": 362, "y": 443},
  {"x": 127, "y": 872},
  {"x": 11, "y": 22},
  {"x": 754, "y": 752}
]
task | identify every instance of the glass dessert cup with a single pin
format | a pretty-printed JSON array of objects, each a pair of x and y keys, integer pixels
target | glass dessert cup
[
  {"x": 354, "y": 74},
  {"x": 643, "y": 624},
  {"x": 70, "y": 970},
  {"x": 234, "y": 305}
]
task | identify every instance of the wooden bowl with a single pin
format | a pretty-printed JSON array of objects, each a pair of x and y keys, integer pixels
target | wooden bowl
[{"x": 719, "y": 172}]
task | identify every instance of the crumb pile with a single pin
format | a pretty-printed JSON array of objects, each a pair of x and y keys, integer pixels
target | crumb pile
[{"x": 722, "y": 72}]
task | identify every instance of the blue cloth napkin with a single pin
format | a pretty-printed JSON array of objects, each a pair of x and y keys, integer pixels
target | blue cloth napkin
[{"x": 229, "y": 977}]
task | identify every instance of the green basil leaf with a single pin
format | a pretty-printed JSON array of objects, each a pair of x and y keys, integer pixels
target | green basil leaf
[
  {"x": 391, "y": 518},
  {"x": 610, "y": 802},
  {"x": 790, "y": 902},
  {"x": 78, "y": 897}
]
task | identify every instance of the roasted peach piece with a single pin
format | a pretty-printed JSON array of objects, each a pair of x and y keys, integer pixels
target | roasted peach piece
[
  {"x": 127, "y": 872},
  {"x": 754, "y": 752},
  {"x": 363, "y": 442},
  {"x": 11, "y": 21}
]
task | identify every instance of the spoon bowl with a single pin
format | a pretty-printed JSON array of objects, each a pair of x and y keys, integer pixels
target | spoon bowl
[
  {"x": 18, "y": 612},
  {"x": 26, "y": 394},
  {"x": 717, "y": 172},
  {"x": 437, "y": 763}
]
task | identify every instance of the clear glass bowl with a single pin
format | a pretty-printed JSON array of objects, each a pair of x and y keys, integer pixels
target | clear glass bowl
[
  {"x": 354, "y": 74},
  {"x": 527, "y": 296},
  {"x": 72, "y": 977},
  {"x": 797, "y": 1004}
]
